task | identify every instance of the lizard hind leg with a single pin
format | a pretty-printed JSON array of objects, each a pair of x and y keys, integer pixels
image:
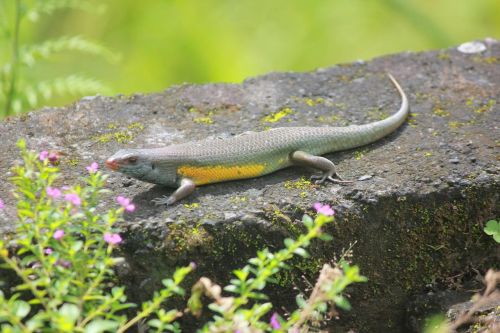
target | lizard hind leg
[{"x": 318, "y": 162}]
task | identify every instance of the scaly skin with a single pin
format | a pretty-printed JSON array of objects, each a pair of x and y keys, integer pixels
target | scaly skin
[{"x": 250, "y": 154}]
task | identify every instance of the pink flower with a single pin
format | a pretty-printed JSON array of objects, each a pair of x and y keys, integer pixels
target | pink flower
[
  {"x": 125, "y": 203},
  {"x": 53, "y": 157},
  {"x": 48, "y": 250},
  {"x": 93, "y": 167},
  {"x": 58, "y": 234},
  {"x": 323, "y": 209},
  {"x": 73, "y": 198},
  {"x": 112, "y": 239},
  {"x": 274, "y": 322},
  {"x": 63, "y": 263},
  {"x": 2, "y": 205},
  {"x": 43, "y": 155},
  {"x": 53, "y": 192}
]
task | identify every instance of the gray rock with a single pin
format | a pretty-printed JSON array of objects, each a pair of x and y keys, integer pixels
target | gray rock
[{"x": 408, "y": 232}]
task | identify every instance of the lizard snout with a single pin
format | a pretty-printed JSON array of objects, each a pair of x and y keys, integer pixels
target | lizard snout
[{"x": 112, "y": 164}]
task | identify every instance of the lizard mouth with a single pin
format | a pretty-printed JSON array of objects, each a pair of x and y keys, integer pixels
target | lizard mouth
[{"x": 112, "y": 164}]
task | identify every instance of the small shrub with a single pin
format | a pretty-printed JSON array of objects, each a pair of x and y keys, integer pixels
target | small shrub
[{"x": 62, "y": 252}]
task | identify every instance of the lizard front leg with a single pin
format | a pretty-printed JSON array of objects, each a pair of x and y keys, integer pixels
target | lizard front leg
[
  {"x": 318, "y": 162},
  {"x": 186, "y": 188}
]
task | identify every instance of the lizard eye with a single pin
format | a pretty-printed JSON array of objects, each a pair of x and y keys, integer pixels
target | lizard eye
[{"x": 132, "y": 159}]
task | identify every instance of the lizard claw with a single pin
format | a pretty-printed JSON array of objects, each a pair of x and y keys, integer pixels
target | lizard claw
[
  {"x": 165, "y": 200},
  {"x": 326, "y": 176}
]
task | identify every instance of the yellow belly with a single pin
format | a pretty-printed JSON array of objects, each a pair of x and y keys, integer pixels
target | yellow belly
[{"x": 219, "y": 173}]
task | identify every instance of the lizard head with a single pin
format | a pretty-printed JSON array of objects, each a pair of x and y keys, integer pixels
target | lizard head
[{"x": 141, "y": 164}]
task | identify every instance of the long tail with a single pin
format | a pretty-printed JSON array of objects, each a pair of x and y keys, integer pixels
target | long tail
[{"x": 372, "y": 132}]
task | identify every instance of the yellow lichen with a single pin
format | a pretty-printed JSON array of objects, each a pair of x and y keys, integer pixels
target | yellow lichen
[
  {"x": 191, "y": 206},
  {"x": 203, "y": 120},
  {"x": 276, "y": 116},
  {"x": 440, "y": 112},
  {"x": 486, "y": 107},
  {"x": 119, "y": 136},
  {"x": 301, "y": 184},
  {"x": 136, "y": 126},
  {"x": 238, "y": 199},
  {"x": 358, "y": 155},
  {"x": 73, "y": 161},
  {"x": 455, "y": 124},
  {"x": 486, "y": 60},
  {"x": 313, "y": 102}
]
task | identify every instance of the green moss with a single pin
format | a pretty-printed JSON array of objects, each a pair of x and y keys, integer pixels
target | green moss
[
  {"x": 276, "y": 116},
  {"x": 182, "y": 237},
  {"x": 299, "y": 267}
]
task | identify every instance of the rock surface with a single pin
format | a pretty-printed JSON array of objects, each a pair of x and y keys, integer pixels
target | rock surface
[{"x": 416, "y": 216}]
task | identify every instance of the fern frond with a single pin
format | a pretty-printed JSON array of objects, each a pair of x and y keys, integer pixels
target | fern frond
[
  {"x": 31, "y": 96},
  {"x": 47, "y": 7},
  {"x": 29, "y": 54},
  {"x": 74, "y": 85}
]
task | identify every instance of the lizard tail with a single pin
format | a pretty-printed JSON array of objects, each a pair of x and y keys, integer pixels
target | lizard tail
[{"x": 368, "y": 133}]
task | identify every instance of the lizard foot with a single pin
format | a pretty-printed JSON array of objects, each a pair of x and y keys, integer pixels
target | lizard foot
[
  {"x": 333, "y": 177},
  {"x": 165, "y": 200}
]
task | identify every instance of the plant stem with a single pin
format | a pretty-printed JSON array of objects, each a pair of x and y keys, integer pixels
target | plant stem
[{"x": 15, "y": 60}]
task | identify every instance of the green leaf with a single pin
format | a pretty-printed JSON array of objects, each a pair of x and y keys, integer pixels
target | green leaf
[
  {"x": 77, "y": 245},
  {"x": 342, "y": 303},
  {"x": 308, "y": 221},
  {"x": 288, "y": 242},
  {"x": 70, "y": 311},
  {"x": 101, "y": 325},
  {"x": 325, "y": 237},
  {"x": 20, "y": 309},
  {"x": 241, "y": 274},
  {"x": 262, "y": 309},
  {"x": 301, "y": 252},
  {"x": 301, "y": 302},
  {"x": 492, "y": 228},
  {"x": 231, "y": 288}
]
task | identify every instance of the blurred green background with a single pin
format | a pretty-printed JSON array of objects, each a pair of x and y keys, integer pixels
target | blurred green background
[{"x": 165, "y": 42}]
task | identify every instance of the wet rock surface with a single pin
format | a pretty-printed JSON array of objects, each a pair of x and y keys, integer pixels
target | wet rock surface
[{"x": 416, "y": 215}]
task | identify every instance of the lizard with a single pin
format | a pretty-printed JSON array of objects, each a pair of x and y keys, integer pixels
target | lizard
[{"x": 252, "y": 154}]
